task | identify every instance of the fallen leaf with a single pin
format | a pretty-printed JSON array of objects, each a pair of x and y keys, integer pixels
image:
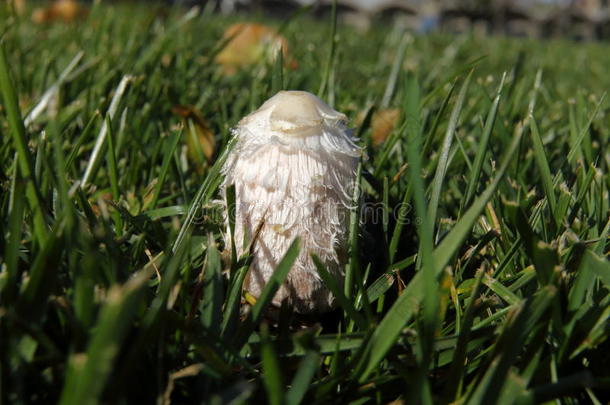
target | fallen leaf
[
  {"x": 200, "y": 140},
  {"x": 61, "y": 10},
  {"x": 382, "y": 123},
  {"x": 250, "y": 43}
]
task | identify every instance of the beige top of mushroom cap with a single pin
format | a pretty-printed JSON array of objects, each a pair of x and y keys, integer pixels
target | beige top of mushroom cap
[{"x": 297, "y": 113}]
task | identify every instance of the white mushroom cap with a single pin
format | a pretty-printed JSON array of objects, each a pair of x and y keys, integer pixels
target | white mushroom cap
[{"x": 295, "y": 114}]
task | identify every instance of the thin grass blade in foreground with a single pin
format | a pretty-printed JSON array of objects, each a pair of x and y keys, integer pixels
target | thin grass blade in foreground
[
  {"x": 208, "y": 187},
  {"x": 88, "y": 372},
  {"x": 302, "y": 378},
  {"x": 263, "y": 301},
  {"x": 425, "y": 229},
  {"x": 211, "y": 305},
  {"x": 343, "y": 301},
  {"x": 33, "y": 300},
  {"x": 271, "y": 369},
  {"x": 17, "y": 205},
  {"x": 17, "y": 131},
  {"x": 457, "y": 372},
  {"x": 352, "y": 272}
]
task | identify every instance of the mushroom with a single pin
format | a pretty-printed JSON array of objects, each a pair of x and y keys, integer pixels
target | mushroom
[{"x": 294, "y": 170}]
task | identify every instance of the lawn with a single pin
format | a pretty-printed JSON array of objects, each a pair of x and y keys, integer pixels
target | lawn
[{"x": 481, "y": 275}]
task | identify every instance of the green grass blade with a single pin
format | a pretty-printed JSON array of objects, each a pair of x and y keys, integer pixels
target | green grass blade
[
  {"x": 501, "y": 291},
  {"x": 113, "y": 173},
  {"x": 509, "y": 346},
  {"x": 81, "y": 139},
  {"x": 211, "y": 305},
  {"x": 274, "y": 282},
  {"x": 302, "y": 379},
  {"x": 231, "y": 209},
  {"x": 443, "y": 160},
  {"x": 325, "y": 84},
  {"x": 96, "y": 154},
  {"x": 203, "y": 195},
  {"x": 167, "y": 159},
  {"x": 475, "y": 173},
  {"x": 353, "y": 267},
  {"x": 43, "y": 276},
  {"x": 412, "y": 108},
  {"x": 424, "y": 230},
  {"x": 26, "y": 166},
  {"x": 543, "y": 167},
  {"x": 543, "y": 256},
  {"x": 564, "y": 387},
  {"x": 88, "y": 372},
  {"x": 379, "y": 287},
  {"x": 438, "y": 119},
  {"x": 272, "y": 374},
  {"x": 277, "y": 76},
  {"x": 15, "y": 227},
  {"x": 390, "y": 87},
  {"x": 404, "y": 209},
  {"x": 231, "y": 307},
  {"x": 266, "y": 296},
  {"x": 165, "y": 212},
  {"x": 575, "y": 147},
  {"x": 600, "y": 267},
  {"x": 52, "y": 91},
  {"x": 334, "y": 287},
  {"x": 457, "y": 371},
  {"x": 156, "y": 313}
]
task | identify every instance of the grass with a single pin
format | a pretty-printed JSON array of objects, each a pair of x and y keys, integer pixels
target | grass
[{"x": 484, "y": 280}]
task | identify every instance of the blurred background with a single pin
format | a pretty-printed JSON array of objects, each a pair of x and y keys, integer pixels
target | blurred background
[
  {"x": 576, "y": 19},
  {"x": 580, "y": 19}
]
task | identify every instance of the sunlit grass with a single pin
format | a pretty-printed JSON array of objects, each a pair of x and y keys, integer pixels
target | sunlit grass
[{"x": 483, "y": 279}]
